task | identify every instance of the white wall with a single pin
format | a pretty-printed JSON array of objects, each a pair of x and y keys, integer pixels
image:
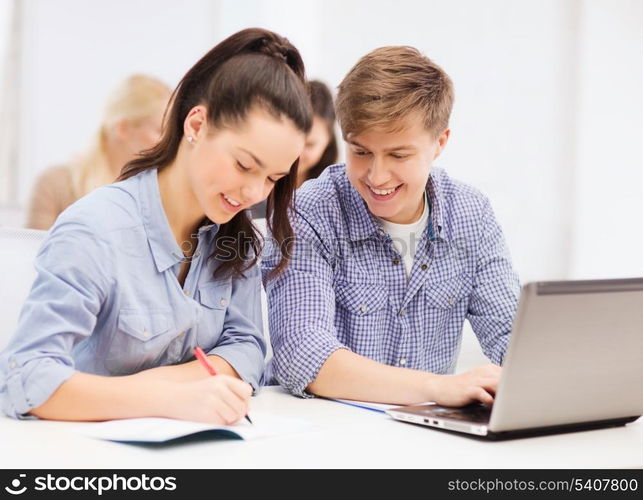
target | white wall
[
  {"x": 608, "y": 230},
  {"x": 547, "y": 114},
  {"x": 8, "y": 89}
]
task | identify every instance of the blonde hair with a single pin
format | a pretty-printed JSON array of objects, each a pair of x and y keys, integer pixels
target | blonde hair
[
  {"x": 134, "y": 99},
  {"x": 388, "y": 84}
]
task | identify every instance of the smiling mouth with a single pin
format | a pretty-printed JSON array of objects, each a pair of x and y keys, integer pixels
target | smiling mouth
[
  {"x": 384, "y": 192},
  {"x": 232, "y": 201},
  {"x": 230, "y": 204}
]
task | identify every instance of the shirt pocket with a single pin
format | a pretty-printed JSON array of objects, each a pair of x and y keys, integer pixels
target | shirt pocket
[
  {"x": 214, "y": 296},
  {"x": 361, "y": 316},
  {"x": 449, "y": 293},
  {"x": 140, "y": 340}
]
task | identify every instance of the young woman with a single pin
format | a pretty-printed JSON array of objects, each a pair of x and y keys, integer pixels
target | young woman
[
  {"x": 320, "y": 150},
  {"x": 137, "y": 274},
  {"x": 131, "y": 123}
]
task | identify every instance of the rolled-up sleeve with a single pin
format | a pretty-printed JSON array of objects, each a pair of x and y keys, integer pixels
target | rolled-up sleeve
[
  {"x": 60, "y": 311},
  {"x": 241, "y": 343},
  {"x": 301, "y": 310},
  {"x": 496, "y": 289}
]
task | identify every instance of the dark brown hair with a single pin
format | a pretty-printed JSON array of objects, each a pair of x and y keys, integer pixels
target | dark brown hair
[
  {"x": 251, "y": 67},
  {"x": 322, "y": 101},
  {"x": 387, "y": 85}
]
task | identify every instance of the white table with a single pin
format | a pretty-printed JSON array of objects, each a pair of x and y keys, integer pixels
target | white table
[{"x": 342, "y": 436}]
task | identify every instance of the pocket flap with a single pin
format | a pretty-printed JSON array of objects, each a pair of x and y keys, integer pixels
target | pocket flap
[
  {"x": 445, "y": 294},
  {"x": 144, "y": 326},
  {"x": 361, "y": 299},
  {"x": 215, "y": 295}
]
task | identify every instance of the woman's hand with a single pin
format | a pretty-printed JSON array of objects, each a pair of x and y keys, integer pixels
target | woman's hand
[{"x": 215, "y": 400}]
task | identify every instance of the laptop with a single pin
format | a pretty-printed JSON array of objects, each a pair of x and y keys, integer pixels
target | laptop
[{"x": 574, "y": 362}]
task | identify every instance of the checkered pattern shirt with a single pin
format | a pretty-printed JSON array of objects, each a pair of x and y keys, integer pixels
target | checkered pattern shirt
[{"x": 346, "y": 286}]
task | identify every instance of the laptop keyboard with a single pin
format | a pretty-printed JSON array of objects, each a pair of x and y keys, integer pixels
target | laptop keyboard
[{"x": 472, "y": 413}]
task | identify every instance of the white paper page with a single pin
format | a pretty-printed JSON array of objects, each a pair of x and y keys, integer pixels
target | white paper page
[{"x": 157, "y": 430}]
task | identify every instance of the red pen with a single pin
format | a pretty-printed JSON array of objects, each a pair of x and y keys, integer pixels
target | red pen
[{"x": 200, "y": 355}]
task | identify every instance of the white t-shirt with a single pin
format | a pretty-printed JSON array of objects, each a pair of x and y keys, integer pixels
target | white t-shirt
[{"x": 407, "y": 236}]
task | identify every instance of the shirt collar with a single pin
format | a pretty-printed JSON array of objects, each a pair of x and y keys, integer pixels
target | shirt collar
[
  {"x": 165, "y": 250},
  {"x": 362, "y": 224}
]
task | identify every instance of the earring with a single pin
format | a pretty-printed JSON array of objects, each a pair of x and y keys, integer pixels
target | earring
[{"x": 190, "y": 139}]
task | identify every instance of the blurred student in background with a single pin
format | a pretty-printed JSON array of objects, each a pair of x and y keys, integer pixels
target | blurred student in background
[
  {"x": 321, "y": 143},
  {"x": 131, "y": 123}
]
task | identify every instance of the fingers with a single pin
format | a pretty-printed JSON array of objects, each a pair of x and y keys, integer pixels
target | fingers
[
  {"x": 231, "y": 398},
  {"x": 487, "y": 377},
  {"x": 485, "y": 389},
  {"x": 220, "y": 416},
  {"x": 489, "y": 384},
  {"x": 229, "y": 415},
  {"x": 232, "y": 407},
  {"x": 480, "y": 384},
  {"x": 479, "y": 394},
  {"x": 242, "y": 389}
]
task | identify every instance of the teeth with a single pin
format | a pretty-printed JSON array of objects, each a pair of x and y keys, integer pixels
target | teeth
[
  {"x": 232, "y": 202},
  {"x": 382, "y": 192}
]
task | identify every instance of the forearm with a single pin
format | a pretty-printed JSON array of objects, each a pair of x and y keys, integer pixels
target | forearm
[
  {"x": 348, "y": 375},
  {"x": 93, "y": 397},
  {"x": 86, "y": 397}
]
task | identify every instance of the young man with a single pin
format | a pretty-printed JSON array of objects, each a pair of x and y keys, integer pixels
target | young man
[{"x": 391, "y": 255}]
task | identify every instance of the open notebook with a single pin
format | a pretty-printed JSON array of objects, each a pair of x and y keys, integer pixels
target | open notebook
[{"x": 159, "y": 430}]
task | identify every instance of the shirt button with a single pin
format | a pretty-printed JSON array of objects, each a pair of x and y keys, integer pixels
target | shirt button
[
  {"x": 223, "y": 302},
  {"x": 146, "y": 334},
  {"x": 181, "y": 335},
  {"x": 396, "y": 261},
  {"x": 12, "y": 365},
  {"x": 363, "y": 308},
  {"x": 451, "y": 301},
  {"x": 402, "y": 361},
  {"x": 424, "y": 267},
  {"x": 381, "y": 232},
  {"x": 186, "y": 292},
  {"x": 402, "y": 312}
]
